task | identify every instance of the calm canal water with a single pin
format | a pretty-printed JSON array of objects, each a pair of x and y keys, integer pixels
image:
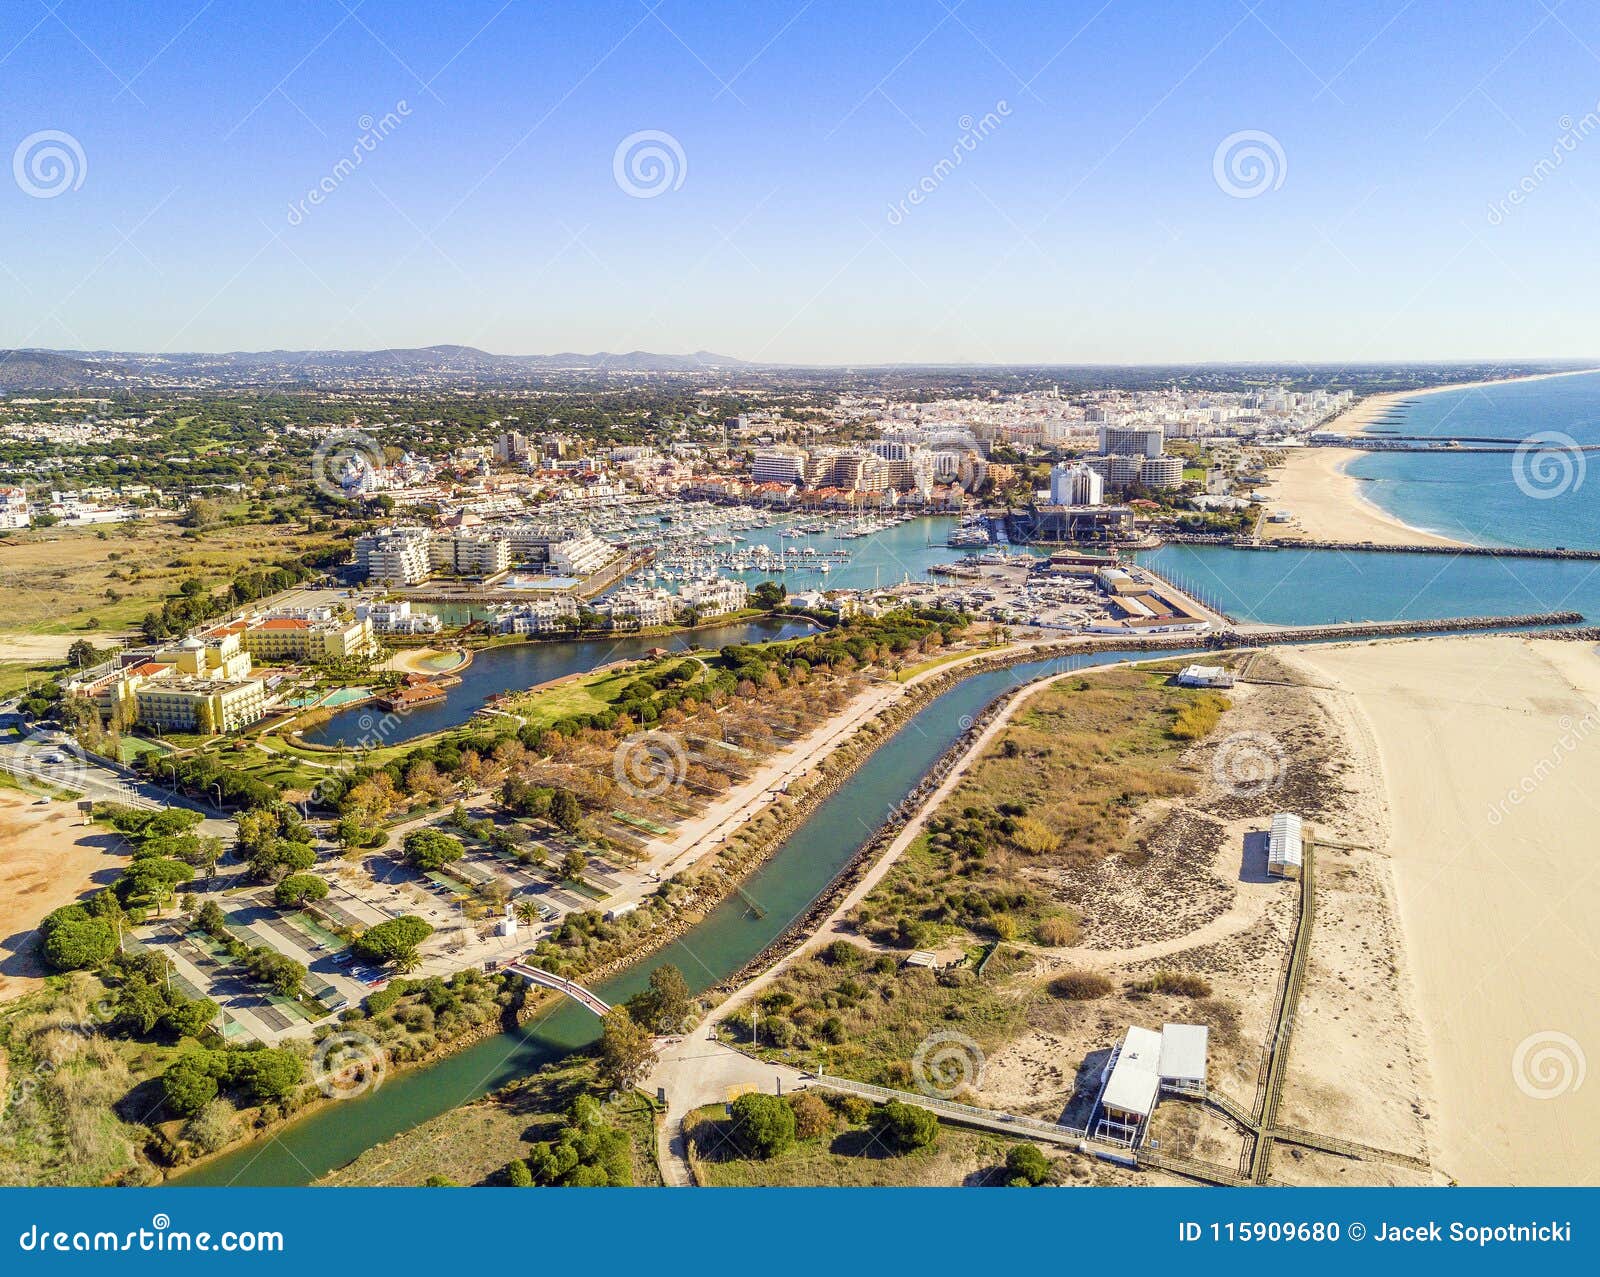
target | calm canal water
[
  {"x": 728, "y": 938},
  {"x": 521, "y": 665}
]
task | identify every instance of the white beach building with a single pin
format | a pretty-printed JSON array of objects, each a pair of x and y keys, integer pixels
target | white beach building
[
  {"x": 1145, "y": 1064},
  {"x": 1285, "y": 850}
]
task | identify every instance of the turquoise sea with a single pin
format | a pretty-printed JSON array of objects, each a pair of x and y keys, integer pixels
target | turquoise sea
[
  {"x": 1549, "y": 497},
  {"x": 1478, "y": 499}
]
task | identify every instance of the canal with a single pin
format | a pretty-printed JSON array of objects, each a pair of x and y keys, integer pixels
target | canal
[
  {"x": 724, "y": 941},
  {"x": 516, "y": 666}
]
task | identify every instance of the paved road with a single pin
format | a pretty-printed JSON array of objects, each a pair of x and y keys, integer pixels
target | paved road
[{"x": 696, "y": 1070}]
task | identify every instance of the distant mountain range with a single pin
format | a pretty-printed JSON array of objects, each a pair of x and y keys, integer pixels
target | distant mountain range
[{"x": 113, "y": 369}]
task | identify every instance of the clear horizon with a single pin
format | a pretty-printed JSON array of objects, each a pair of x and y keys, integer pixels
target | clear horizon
[{"x": 804, "y": 183}]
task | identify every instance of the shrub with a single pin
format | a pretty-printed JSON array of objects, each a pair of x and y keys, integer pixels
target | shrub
[
  {"x": 841, "y": 953},
  {"x": 812, "y": 1117},
  {"x": 1184, "y": 984},
  {"x": 1080, "y": 986},
  {"x": 763, "y": 1124},
  {"x": 852, "y": 1108},
  {"x": 210, "y": 1128},
  {"x": 905, "y": 1127},
  {"x": 1057, "y": 931},
  {"x": 1034, "y": 836},
  {"x": 1027, "y": 1166}
]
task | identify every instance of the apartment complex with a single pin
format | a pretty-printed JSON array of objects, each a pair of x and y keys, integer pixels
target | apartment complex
[
  {"x": 468, "y": 553},
  {"x": 14, "y": 512},
  {"x": 393, "y": 556},
  {"x": 1075, "y": 484},
  {"x": 207, "y": 706},
  {"x": 410, "y": 555}
]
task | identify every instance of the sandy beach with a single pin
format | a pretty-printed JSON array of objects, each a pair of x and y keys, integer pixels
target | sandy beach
[
  {"x": 1325, "y": 502},
  {"x": 1487, "y": 758}
]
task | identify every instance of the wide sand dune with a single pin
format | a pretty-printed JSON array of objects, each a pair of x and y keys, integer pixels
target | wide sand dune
[{"x": 1490, "y": 754}]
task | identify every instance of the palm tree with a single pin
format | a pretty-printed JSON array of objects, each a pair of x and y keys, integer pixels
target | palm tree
[
  {"x": 527, "y": 911},
  {"x": 408, "y": 962}
]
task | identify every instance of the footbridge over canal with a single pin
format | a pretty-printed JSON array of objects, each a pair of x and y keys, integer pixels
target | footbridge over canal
[{"x": 585, "y": 997}]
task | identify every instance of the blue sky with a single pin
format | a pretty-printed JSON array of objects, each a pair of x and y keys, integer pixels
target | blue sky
[{"x": 1088, "y": 223}]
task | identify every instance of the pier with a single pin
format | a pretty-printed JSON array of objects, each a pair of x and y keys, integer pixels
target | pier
[
  {"x": 1271, "y": 634},
  {"x": 1373, "y": 547}
]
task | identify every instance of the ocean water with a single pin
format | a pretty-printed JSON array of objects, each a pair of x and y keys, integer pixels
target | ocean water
[
  {"x": 1547, "y": 497},
  {"x": 1310, "y": 587}
]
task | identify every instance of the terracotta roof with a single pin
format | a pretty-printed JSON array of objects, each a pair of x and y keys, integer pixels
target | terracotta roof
[{"x": 283, "y": 623}]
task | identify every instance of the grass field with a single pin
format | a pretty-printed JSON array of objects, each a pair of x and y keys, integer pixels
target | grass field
[{"x": 62, "y": 581}]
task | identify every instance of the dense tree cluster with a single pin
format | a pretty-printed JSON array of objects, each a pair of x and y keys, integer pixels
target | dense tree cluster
[
  {"x": 393, "y": 941},
  {"x": 588, "y": 1153},
  {"x": 255, "y": 1075}
]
